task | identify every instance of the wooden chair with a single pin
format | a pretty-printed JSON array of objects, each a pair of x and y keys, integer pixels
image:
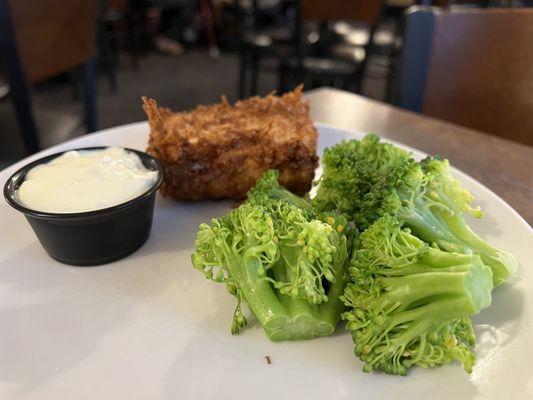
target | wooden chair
[
  {"x": 40, "y": 39},
  {"x": 471, "y": 67}
]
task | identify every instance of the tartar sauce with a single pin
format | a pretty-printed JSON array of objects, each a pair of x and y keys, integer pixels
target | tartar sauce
[{"x": 89, "y": 180}]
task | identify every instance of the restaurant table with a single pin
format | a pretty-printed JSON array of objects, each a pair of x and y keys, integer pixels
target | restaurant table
[{"x": 504, "y": 166}]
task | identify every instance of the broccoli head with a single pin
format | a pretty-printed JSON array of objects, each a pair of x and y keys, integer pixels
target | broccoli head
[
  {"x": 433, "y": 204},
  {"x": 367, "y": 179},
  {"x": 350, "y": 168},
  {"x": 280, "y": 259},
  {"x": 409, "y": 304}
]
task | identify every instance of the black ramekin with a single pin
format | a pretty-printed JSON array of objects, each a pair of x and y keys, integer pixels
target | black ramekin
[{"x": 92, "y": 237}]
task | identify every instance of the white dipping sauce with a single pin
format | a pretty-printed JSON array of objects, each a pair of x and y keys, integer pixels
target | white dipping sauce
[{"x": 88, "y": 180}]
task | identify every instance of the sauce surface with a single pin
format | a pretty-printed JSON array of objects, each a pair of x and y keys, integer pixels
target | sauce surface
[{"x": 79, "y": 181}]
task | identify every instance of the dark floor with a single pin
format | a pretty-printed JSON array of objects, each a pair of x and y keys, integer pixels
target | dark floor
[{"x": 177, "y": 82}]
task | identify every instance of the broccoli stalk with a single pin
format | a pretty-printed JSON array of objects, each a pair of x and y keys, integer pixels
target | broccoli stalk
[
  {"x": 409, "y": 303},
  {"x": 285, "y": 264}
]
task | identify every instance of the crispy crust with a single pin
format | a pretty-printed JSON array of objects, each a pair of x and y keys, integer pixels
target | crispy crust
[{"x": 219, "y": 151}]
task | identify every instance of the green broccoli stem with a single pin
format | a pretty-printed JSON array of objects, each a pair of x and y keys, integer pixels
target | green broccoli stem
[
  {"x": 431, "y": 260},
  {"x": 418, "y": 285},
  {"x": 283, "y": 194},
  {"x": 257, "y": 291},
  {"x": 331, "y": 311},
  {"x": 282, "y": 317},
  {"x": 442, "y": 308},
  {"x": 268, "y": 185},
  {"x": 451, "y": 232},
  {"x": 300, "y": 319}
]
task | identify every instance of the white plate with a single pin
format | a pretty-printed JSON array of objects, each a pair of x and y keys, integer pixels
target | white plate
[{"x": 152, "y": 327}]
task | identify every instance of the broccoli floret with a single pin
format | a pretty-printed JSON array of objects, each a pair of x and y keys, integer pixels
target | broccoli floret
[
  {"x": 452, "y": 200},
  {"x": 287, "y": 265},
  {"x": 367, "y": 179},
  {"x": 432, "y": 203},
  {"x": 410, "y": 303},
  {"x": 268, "y": 186},
  {"x": 350, "y": 168}
]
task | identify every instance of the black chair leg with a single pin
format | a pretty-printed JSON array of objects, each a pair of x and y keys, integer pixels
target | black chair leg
[
  {"x": 345, "y": 84},
  {"x": 106, "y": 57},
  {"x": 390, "y": 84},
  {"x": 23, "y": 109},
  {"x": 358, "y": 81},
  {"x": 255, "y": 73},
  {"x": 242, "y": 74},
  {"x": 90, "y": 83},
  {"x": 19, "y": 90},
  {"x": 74, "y": 78},
  {"x": 281, "y": 77},
  {"x": 132, "y": 36}
]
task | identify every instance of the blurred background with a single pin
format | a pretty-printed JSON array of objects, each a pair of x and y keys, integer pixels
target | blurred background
[{"x": 72, "y": 67}]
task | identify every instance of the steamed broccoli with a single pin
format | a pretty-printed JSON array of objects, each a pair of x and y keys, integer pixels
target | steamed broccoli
[
  {"x": 282, "y": 260},
  {"x": 368, "y": 179},
  {"x": 350, "y": 168},
  {"x": 432, "y": 203},
  {"x": 410, "y": 303},
  {"x": 268, "y": 187}
]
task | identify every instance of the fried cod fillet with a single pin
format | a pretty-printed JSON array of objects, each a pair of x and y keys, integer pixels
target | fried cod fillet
[{"x": 220, "y": 150}]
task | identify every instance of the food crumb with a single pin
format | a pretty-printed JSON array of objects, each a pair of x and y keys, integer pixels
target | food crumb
[{"x": 267, "y": 358}]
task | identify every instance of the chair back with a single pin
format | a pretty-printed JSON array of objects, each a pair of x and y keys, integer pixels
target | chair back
[
  {"x": 53, "y": 36},
  {"x": 325, "y": 10},
  {"x": 476, "y": 69}
]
